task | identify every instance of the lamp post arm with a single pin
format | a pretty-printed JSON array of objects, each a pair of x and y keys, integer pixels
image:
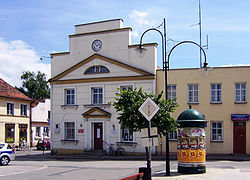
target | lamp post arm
[
  {"x": 192, "y": 42},
  {"x": 162, "y": 41}
]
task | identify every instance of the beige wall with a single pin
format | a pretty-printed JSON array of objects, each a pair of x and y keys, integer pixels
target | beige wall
[
  {"x": 227, "y": 76},
  {"x": 13, "y": 119}
]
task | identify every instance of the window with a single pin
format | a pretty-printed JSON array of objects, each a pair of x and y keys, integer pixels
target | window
[
  {"x": 96, "y": 69},
  {"x": 69, "y": 129},
  {"x": 46, "y": 131},
  {"x": 9, "y": 133},
  {"x": 24, "y": 109},
  {"x": 10, "y": 108},
  {"x": 240, "y": 92},
  {"x": 38, "y": 131},
  {"x": 171, "y": 91},
  {"x": 126, "y": 135},
  {"x": 216, "y": 131},
  {"x": 193, "y": 93},
  {"x": 97, "y": 95},
  {"x": 48, "y": 115},
  {"x": 69, "y": 96},
  {"x": 215, "y": 93},
  {"x": 172, "y": 135},
  {"x": 126, "y": 87}
]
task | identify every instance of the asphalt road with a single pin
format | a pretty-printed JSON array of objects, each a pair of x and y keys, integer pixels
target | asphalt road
[{"x": 28, "y": 168}]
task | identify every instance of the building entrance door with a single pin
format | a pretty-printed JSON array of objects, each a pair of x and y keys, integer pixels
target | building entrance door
[
  {"x": 98, "y": 136},
  {"x": 239, "y": 133}
]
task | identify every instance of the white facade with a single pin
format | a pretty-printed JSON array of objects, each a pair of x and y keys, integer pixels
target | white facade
[
  {"x": 40, "y": 120},
  {"x": 85, "y": 79}
]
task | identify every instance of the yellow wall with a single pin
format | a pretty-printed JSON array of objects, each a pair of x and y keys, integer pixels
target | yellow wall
[
  {"x": 15, "y": 119},
  {"x": 227, "y": 76}
]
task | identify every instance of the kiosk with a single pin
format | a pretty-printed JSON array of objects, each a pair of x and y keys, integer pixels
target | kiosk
[{"x": 191, "y": 142}]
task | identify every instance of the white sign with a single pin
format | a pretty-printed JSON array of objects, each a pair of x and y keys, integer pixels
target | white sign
[
  {"x": 98, "y": 132},
  {"x": 149, "y": 108},
  {"x": 148, "y": 142},
  {"x": 153, "y": 132}
]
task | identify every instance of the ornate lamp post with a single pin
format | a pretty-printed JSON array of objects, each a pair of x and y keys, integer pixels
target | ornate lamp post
[
  {"x": 165, "y": 62},
  {"x": 165, "y": 68}
]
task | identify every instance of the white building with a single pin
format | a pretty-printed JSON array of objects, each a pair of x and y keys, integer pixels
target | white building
[
  {"x": 100, "y": 59},
  {"x": 40, "y": 120}
]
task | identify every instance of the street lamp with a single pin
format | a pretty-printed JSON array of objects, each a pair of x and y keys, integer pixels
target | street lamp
[
  {"x": 165, "y": 68},
  {"x": 165, "y": 62}
]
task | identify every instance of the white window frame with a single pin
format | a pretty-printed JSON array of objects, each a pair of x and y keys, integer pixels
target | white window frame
[
  {"x": 64, "y": 130},
  {"x": 126, "y": 85},
  {"x": 46, "y": 131},
  {"x": 172, "y": 136},
  {"x": 193, "y": 92},
  {"x": 38, "y": 133},
  {"x": 171, "y": 91},
  {"x": 65, "y": 96},
  {"x": 91, "y": 95},
  {"x": 240, "y": 101},
  {"x": 216, "y": 93},
  {"x": 23, "y": 112},
  {"x": 129, "y": 134},
  {"x": 12, "y": 111},
  {"x": 216, "y": 128}
]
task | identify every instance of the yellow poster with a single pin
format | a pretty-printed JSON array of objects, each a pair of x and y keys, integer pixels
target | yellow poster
[{"x": 191, "y": 155}]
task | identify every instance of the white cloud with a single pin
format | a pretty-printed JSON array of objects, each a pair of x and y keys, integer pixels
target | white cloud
[
  {"x": 141, "y": 18},
  {"x": 134, "y": 34},
  {"x": 17, "y": 57}
]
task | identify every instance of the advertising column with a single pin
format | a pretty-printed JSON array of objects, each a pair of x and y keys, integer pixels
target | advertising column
[{"x": 191, "y": 142}]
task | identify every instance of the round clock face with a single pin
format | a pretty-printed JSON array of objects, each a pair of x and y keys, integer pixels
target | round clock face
[{"x": 97, "y": 45}]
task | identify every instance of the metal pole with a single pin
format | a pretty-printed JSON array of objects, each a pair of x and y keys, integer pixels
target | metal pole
[
  {"x": 149, "y": 153},
  {"x": 165, "y": 67}
]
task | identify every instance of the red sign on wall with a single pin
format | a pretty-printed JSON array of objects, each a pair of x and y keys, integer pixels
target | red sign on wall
[{"x": 80, "y": 130}]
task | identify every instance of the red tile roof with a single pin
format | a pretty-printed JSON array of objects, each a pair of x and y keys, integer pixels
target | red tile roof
[{"x": 8, "y": 91}]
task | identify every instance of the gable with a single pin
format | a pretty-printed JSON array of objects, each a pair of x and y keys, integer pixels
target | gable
[
  {"x": 117, "y": 71},
  {"x": 96, "y": 113}
]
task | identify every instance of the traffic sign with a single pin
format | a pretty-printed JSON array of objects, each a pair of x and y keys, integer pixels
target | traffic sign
[{"x": 149, "y": 108}]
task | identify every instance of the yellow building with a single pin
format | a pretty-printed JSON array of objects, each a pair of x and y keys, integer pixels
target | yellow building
[
  {"x": 14, "y": 115},
  {"x": 221, "y": 95}
]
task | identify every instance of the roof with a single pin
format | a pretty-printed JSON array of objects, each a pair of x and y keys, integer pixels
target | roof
[{"x": 8, "y": 91}]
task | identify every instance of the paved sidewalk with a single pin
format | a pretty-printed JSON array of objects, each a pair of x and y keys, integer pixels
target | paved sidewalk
[{"x": 47, "y": 155}]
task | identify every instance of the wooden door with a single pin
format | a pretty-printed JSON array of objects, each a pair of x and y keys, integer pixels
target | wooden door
[
  {"x": 98, "y": 135},
  {"x": 239, "y": 133}
]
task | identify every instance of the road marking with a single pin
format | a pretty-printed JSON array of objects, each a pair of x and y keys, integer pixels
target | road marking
[{"x": 22, "y": 172}]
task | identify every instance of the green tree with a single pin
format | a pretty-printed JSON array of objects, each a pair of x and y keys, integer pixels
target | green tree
[
  {"x": 127, "y": 103},
  {"x": 35, "y": 86}
]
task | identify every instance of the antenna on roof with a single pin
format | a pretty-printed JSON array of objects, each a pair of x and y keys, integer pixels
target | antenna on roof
[{"x": 205, "y": 46}]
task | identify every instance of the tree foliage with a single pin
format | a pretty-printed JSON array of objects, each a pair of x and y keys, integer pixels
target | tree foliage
[
  {"x": 128, "y": 102},
  {"x": 34, "y": 85}
]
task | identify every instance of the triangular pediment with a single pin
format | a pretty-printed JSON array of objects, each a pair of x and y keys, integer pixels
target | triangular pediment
[
  {"x": 96, "y": 112},
  {"x": 117, "y": 70}
]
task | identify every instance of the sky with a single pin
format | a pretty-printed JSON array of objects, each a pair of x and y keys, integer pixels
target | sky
[{"x": 34, "y": 28}]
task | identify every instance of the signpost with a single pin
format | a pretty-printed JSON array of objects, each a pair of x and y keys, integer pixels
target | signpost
[{"x": 148, "y": 109}]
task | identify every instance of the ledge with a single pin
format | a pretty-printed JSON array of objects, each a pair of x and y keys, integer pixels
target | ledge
[
  {"x": 69, "y": 106},
  {"x": 96, "y": 105},
  {"x": 63, "y": 141},
  {"x": 245, "y": 102},
  {"x": 215, "y": 102},
  {"x": 193, "y": 103},
  {"x": 213, "y": 141}
]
